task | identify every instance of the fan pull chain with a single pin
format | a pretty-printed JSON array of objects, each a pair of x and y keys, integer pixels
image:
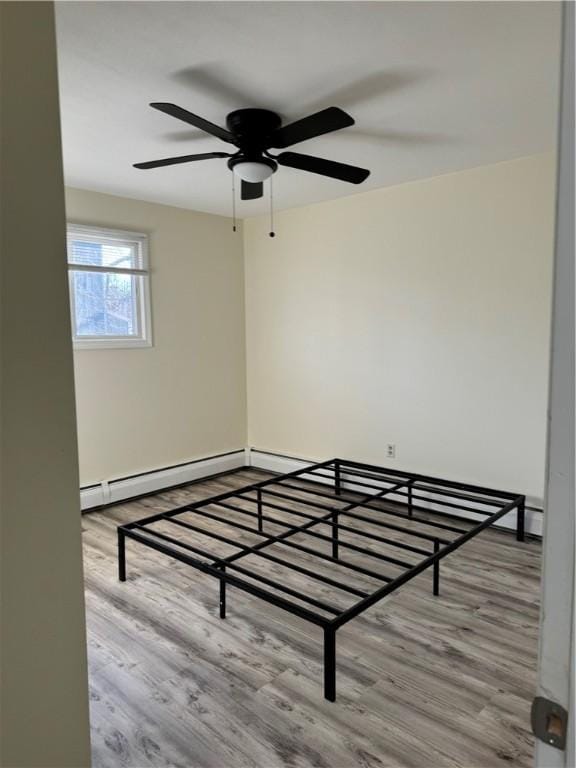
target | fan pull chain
[
  {"x": 233, "y": 202},
  {"x": 272, "y": 233}
]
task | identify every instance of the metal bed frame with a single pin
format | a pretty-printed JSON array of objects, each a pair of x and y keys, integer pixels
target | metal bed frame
[{"x": 331, "y": 494}]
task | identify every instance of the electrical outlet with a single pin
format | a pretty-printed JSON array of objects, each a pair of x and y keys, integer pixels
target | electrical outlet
[{"x": 391, "y": 450}]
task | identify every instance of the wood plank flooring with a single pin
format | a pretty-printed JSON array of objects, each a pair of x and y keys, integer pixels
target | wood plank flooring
[{"x": 423, "y": 681}]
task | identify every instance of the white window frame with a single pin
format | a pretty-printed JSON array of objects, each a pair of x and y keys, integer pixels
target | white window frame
[{"x": 101, "y": 234}]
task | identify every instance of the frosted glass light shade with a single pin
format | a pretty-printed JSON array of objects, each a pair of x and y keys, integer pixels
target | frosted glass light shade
[{"x": 253, "y": 172}]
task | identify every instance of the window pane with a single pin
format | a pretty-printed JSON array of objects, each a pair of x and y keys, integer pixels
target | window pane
[
  {"x": 105, "y": 304},
  {"x": 108, "y": 253}
]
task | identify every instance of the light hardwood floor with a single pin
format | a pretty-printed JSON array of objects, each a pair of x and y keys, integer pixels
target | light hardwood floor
[{"x": 423, "y": 681}]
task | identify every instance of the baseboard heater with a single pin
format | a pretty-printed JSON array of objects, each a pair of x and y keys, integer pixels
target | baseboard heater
[
  {"x": 153, "y": 481},
  {"x": 121, "y": 489},
  {"x": 280, "y": 463}
]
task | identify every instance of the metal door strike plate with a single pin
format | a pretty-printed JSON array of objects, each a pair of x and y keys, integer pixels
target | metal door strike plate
[{"x": 549, "y": 722}]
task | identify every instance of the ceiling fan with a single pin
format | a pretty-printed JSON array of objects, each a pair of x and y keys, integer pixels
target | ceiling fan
[{"x": 254, "y": 132}]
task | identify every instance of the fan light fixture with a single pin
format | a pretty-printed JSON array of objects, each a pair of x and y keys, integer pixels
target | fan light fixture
[{"x": 252, "y": 172}]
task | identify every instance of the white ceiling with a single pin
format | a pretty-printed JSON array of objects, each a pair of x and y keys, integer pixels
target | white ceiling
[{"x": 433, "y": 87}]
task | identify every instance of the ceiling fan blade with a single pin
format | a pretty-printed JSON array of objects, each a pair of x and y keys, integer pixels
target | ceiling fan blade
[
  {"x": 330, "y": 168},
  {"x": 250, "y": 191},
  {"x": 205, "y": 125},
  {"x": 326, "y": 121},
  {"x": 182, "y": 159}
]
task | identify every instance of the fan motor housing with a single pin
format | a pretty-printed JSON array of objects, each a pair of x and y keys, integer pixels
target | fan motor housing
[{"x": 252, "y": 126}]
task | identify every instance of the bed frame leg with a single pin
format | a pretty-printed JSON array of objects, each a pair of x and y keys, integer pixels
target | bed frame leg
[
  {"x": 410, "y": 511},
  {"x": 521, "y": 519},
  {"x": 329, "y": 664},
  {"x": 121, "y": 555},
  {"x": 223, "y": 596},
  {"x": 335, "y": 551},
  {"x": 337, "y": 479},
  {"x": 436, "y": 589},
  {"x": 259, "y": 508}
]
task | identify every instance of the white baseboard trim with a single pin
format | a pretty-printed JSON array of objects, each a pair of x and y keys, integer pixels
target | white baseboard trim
[
  {"x": 113, "y": 491},
  {"x": 274, "y": 462}
]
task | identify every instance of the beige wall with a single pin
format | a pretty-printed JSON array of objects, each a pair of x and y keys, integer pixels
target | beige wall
[
  {"x": 416, "y": 315},
  {"x": 184, "y": 397},
  {"x": 43, "y": 676}
]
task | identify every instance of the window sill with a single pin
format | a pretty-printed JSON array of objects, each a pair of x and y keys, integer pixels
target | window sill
[{"x": 111, "y": 343}]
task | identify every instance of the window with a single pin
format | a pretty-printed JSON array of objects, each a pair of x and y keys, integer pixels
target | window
[{"x": 109, "y": 287}]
